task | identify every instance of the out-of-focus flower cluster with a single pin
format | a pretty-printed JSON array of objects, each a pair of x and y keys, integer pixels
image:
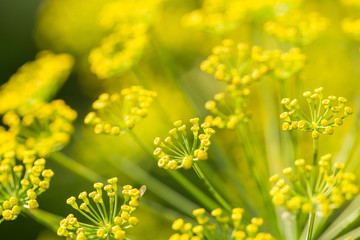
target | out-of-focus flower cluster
[
  {"x": 47, "y": 128},
  {"x": 21, "y": 182},
  {"x": 320, "y": 188},
  {"x": 116, "y": 113},
  {"x": 351, "y": 28},
  {"x": 108, "y": 221},
  {"x": 181, "y": 148},
  {"x": 225, "y": 227},
  {"x": 241, "y": 65},
  {"x": 325, "y": 113},
  {"x": 228, "y": 110},
  {"x": 296, "y": 28},
  {"x": 35, "y": 82}
]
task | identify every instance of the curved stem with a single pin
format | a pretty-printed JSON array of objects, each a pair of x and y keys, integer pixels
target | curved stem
[{"x": 209, "y": 186}]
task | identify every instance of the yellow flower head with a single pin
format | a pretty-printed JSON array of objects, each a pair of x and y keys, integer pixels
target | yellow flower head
[
  {"x": 183, "y": 147},
  {"x": 351, "y": 3},
  {"x": 35, "y": 82},
  {"x": 297, "y": 28},
  {"x": 228, "y": 110},
  {"x": 213, "y": 227},
  {"x": 351, "y": 28},
  {"x": 116, "y": 113},
  {"x": 119, "y": 51},
  {"x": 216, "y": 16},
  {"x": 107, "y": 219},
  {"x": 132, "y": 12},
  {"x": 21, "y": 182},
  {"x": 302, "y": 190},
  {"x": 325, "y": 113},
  {"x": 241, "y": 65},
  {"x": 47, "y": 128}
]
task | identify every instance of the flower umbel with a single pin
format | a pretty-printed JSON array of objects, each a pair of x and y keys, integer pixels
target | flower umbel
[
  {"x": 21, "y": 183},
  {"x": 230, "y": 227},
  {"x": 325, "y": 113},
  {"x": 228, "y": 110},
  {"x": 35, "y": 82},
  {"x": 46, "y": 129},
  {"x": 181, "y": 149},
  {"x": 297, "y": 28},
  {"x": 116, "y": 113},
  {"x": 304, "y": 191},
  {"x": 107, "y": 220}
]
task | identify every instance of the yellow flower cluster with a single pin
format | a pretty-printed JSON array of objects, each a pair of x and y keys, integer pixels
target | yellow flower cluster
[
  {"x": 228, "y": 110},
  {"x": 47, "y": 128},
  {"x": 132, "y": 12},
  {"x": 116, "y": 113},
  {"x": 351, "y": 28},
  {"x": 106, "y": 220},
  {"x": 297, "y": 28},
  {"x": 240, "y": 65},
  {"x": 351, "y": 3},
  {"x": 180, "y": 150},
  {"x": 35, "y": 81},
  {"x": 225, "y": 227},
  {"x": 21, "y": 183},
  {"x": 119, "y": 51},
  {"x": 304, "y": 191},
  {"x": 216, "y": 16},
  {"x": 325, "y": 113}
]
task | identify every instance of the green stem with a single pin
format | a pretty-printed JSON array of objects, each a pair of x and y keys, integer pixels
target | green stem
[
  {"x": 76, "y": 167},
  {"x": 188, "y": 185},
  {"x": 311, "y": 225},
  {"x": 211, "y": 189},
  {"x": 316, "y": 150},
  {"x": 45, "y": 218}
]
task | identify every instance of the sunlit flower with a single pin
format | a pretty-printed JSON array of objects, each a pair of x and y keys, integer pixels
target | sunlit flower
[
  {"x": 35, "y": 82},
  {"x": 309, "y": 188},
  {"x": 297, "y": 28},
  {"x": 325, "y": 113},
  {"x": 228, "y": 110},
  {"x": 217, "y": 16},
  {"x": 351, "y": 27},
  {"x": 116, "y": 113},
  {"x": 183, "y": 147},
  {"x": 119, "y": 51},
  {"x": 106, "y": 220},
  {"x": 21, "y": 182},
  {"x": 47, "y": 128},
  {"x": 220, "y": 226}
]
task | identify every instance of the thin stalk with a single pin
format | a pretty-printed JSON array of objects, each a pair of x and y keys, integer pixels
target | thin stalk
[
  {"x": 316, "y": 151},
  {"x": 209, "y": 186},
  {"x": 311, "y": 225},
  {"x": 76, "y": 167}
]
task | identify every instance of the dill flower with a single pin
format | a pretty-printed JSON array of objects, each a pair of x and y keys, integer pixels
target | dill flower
[
  {"x": 237, "y": 64},
  {"x": 221, "y": 226},
  {"x": 240, "y": 65},
  {"x": 119, "y": 51},
  {"x": 132, "y": 12},
  {"x": 47, "y": 128},
  {"x": 108, "y": 221},
  {"x": 351, "y": 3},
  {"x": 351, "y": 28},
  {"x": 297, "y": 28},
  {"x": 181, "y": 148},
  {"x": 302, "y": 190},
  {"x": 116, "y": 113},
  {"x": 21, "y": 182},
  {"x": 325, "y": 113},
  {"x": 35, "y": 81},
  {"x": 286, "y": 64},
  {"x": 228, "y": 110},
  {"x": 216, "y": 16}
]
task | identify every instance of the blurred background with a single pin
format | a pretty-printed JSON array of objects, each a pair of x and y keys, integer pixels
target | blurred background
[{"x": 170, "y": 65}]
